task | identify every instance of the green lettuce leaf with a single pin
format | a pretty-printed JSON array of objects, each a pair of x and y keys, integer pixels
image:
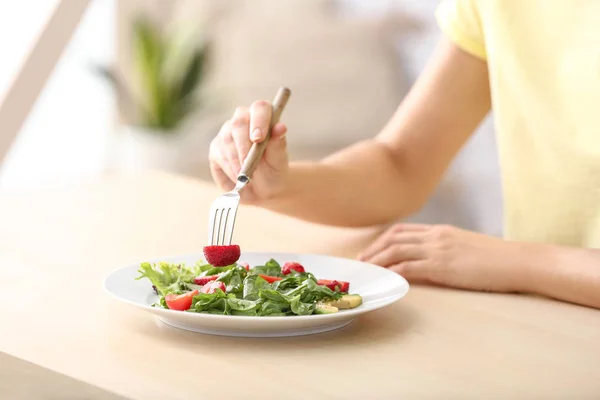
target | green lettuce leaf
[
  {"x": 200, "y": 268},
  {"x": 167, "y": 278},
  {"x": 161, "y": 302}
]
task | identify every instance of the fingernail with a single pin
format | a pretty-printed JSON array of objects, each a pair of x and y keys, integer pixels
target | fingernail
[{"x": 256, "y": 134}]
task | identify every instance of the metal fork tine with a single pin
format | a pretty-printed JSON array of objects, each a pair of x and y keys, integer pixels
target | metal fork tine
[
  {"x": 230, "y": 230},
  {"x": 217, "y": 230},
  {"x": 221, "y": 225},
  {"x": 220, "y": 228},
  {"x": 215, "y": 227},
  {"x": 211, "y": 228},
  {"x": 224, "y": 220}
]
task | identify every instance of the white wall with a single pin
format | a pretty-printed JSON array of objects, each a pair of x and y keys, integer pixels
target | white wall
[{"x": 64, "y": 137}]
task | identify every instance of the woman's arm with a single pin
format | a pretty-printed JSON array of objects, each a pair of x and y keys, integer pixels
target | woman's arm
[
  {"x": 374, "y": 181},
  {"x": 392, "y": 175},
  {"x": 564, "y": 273}
]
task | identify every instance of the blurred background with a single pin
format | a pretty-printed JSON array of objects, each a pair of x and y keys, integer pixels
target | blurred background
[{"x": 145, "y": 85}]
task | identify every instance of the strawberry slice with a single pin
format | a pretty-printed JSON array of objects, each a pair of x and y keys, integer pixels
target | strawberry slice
[
  {"x": 203, "y": 280},
  {"x": 345, "y": 286},
  {"x": 270, "y": 279},
  {"x": 288, "y": 267},
  {"x": 329, "y": 283},
  {"x": 222, "y": 256},
  {"x": 341, "y": 286},
  {"x": 212, "y": 287}
]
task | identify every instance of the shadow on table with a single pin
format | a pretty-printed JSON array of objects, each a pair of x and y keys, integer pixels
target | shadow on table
[
  {"x": 370, "y": 335},
  {"x": 379, "y": 326}
]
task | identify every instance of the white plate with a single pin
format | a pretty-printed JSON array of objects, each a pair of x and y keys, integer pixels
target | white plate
[{"x": 378, "y": 287}]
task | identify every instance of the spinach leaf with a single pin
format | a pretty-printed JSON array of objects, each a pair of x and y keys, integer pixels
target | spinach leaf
[
  {"x": 290, "y": 282},
  {"x": 311, "y": 292},
  {"x": 214, "y": 303},
  {"x": 234, "y": 280},
  {"x": 271, "y": 268},
  {"x": 253, "y": 284},
  {"x": 300, "y": 308},
  {"x": 243, "y": 307},
  {"x": 273, "y": 295},
  {"x": 293, "y": 280},
  {"x": 272, "y": 308},
  {"x": 216, "y": 270},
  {"x": 287, "y": 304},
  {"x": 193, "y": 286}
]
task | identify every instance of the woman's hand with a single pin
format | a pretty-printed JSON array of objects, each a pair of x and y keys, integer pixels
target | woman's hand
[
  {"x": 449, "y": 256},
  {"x": 229, "y": 149}
]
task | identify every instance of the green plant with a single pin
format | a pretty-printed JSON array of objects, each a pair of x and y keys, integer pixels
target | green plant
[{"x": 167, "y": 76}]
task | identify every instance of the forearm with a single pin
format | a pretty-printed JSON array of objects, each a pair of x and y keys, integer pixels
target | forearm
[
  {"x": 386, "y": 178},
  {"x": 358, "y": 186},
  {"x": 563, "y": 273}
]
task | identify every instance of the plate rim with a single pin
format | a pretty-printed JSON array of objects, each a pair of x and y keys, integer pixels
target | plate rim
[{"x": 388, "y": 300}]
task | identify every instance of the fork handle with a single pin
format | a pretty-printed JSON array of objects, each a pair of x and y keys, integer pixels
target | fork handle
[{"x": 256, "y": 151}]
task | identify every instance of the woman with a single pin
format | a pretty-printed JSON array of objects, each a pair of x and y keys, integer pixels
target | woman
[{"x": 538, "y": 66}]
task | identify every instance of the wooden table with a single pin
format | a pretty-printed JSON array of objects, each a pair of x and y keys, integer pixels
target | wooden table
[{"x": 57, "y": 245}]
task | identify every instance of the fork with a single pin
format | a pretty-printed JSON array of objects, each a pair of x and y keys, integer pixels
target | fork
[{"x": 221, "y": 218}]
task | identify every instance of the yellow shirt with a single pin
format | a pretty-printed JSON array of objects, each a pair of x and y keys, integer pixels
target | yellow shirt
[{"x": 544, "y": 65}]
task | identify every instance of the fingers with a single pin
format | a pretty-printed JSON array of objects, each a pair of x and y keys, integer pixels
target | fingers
[
  {"x": 260, "y": 118},
  {"x": 241, "y": 134},
  {"x": 411, "y": 234},
  {"x": 276, "y": 152},
  {"x": 397, "y": 253},
  {"x": 415, "y": 271},
  {"x": 227, "y": 150},
  {"x": 235, "y": 138},
  {"x": 240, "y": 140},
  {"x": 279, "y": 131},
  {"x": 219, "y": 166},
  {"x": 220, "y": 177},
  {"x": 410, "y": 227}
]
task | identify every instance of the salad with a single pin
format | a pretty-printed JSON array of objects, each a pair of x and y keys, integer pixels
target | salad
[{"x": 237, "y": 289}]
